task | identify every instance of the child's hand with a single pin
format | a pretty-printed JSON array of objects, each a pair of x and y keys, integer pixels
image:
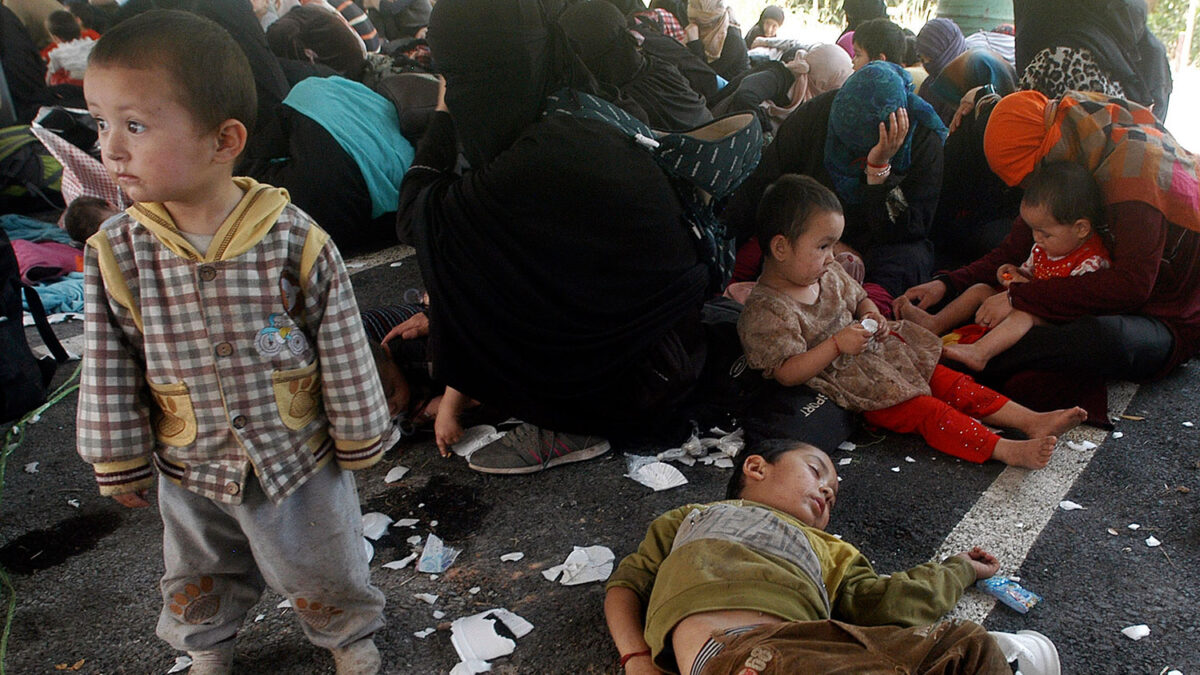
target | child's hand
[
  {"x": 1010, "y": 274},
  {"x": 985, "y": 563},
  {"x": 132, "y": 500},
  {"x": 880, "y": 322},
  {"x": 447, "y": 431},
  {"x": 852, "y": 339}
]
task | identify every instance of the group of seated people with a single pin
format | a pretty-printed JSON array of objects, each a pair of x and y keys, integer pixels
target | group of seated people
[{"x": 889, "y": 241}]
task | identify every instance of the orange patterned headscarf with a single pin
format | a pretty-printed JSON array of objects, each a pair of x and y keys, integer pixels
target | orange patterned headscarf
[{"x": 1017, "y": 136}]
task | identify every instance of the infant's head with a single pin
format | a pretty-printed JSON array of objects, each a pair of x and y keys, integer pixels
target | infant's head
[
  {"x": 796, "y": 478},
  {"x": 1063, "y": 204},
  {"x": 84, "y": 216}
]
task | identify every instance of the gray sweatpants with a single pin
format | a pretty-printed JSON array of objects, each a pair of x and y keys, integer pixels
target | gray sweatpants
[{"x": 220, "y": 557}]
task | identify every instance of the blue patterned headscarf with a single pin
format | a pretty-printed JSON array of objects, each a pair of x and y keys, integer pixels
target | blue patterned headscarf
[{"x": 866, "y": 99}]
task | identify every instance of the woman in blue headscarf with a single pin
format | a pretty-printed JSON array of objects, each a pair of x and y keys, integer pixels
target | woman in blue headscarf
[{"x": 879, "y": 147}]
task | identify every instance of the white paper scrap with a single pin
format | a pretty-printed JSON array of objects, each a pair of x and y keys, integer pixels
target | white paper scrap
[
  {"x": 846, "y": 445},
  {"x": 844, "y": 461},
  {"x": 512, "y": 557},
  {"x": 436, "y": 556},
  {"x": 260, "y": 617},
  {"x": 401, "y": 563},
  {"x": 1134, "y": 526},
  {"x": 429, "y": 598},
  {"x": 437, "y": 614},
  {"x": 474, "y": 438},
  {"x": 1081, "y": 446},
  {"x": 909, "y": 459},
  {"x": 375, "y": 524},
  {"x": 475, "y": 637},
  {"x": 470, "y": 667},
  {"x": 474, "y": 590},
  {"x": 414, "y": 540},
  {"x": 73, "y": 502},
  {"x": 1152, "y": 542},
  {"x": 583, "y": 565},
  {"x": 1137, "y": 632},
  {"x": 395, "y": 474},
  {"x": 1117, "y": 434},
  {"x": 369, "y": 548},
  {"x": 1068, "y": 505},
  {"x": 1113, "y": 532},
  {"x": 284, "y": 605},
  {"x": 182, "y": 663},
  {"x": 1188, "y": 425},
  {"x": 724, "y": 463},
  {"x": 425, "y": 633},
  {"x": 31, "y": 467},
  {"x": 406, "y": 522},
  {"x": 658, "y": 476},
  {"x": 896, "y": 469}
]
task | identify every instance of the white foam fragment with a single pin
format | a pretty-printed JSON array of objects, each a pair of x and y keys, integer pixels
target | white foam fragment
[
  {"x": 908, "y": 459},
  {"x": 896, "y": 469},
  {"x": 1068, "y": 505},
  {"x": 437, "y": 614},
  {"x": 845, "y": 461},
  {"x": 73, "y": 502},
  {"x": 395, "y": 474},
  {"x": 1136, "y": 632},
  {"x": 433, "y": 523},
  {"x": 1117, "y": 434},
  {"x": 476, "y": 639},
  {"x": 375, "y": 524},
  {"x": 1188, "y": 425},
  {"x": 428, "y": 598},
  {"x": 474, "y": 590},
  {"x": 284, "y": 605},
  {"x": 846, "y": 445},
  {"x": 470, "y": 667},
  {"x": 1134, "y": 526},
  {"x": 396, "y": 264},
  {"x": 414, "y": 540},
  {"x": 474, "y": 438},
  {"x": 32, "y": 467},
  {"x": 401, "y": 563},
  {"x": 1113, "y": 532},
  {"x": 406, "y": 522},
  {"x": 182, "y": 663},
  {"x": 369, "y": 548},
  {"x": 424, "y": 633},
  {"x": 512, "y": 557},
  {"x": 1152, "y": 542},
  {"x": 583, "y": 565},
  {"x": 1081, "y": 446},
  {"x": 724, "y": 463}
]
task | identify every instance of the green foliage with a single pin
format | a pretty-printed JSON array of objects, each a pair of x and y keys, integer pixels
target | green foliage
[
  {"x": 1168, "y": 21},
  {"x": 910, "y": 13}
]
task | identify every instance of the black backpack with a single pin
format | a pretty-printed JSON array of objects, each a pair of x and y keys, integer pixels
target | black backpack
[{"x": 24, "y": 378}]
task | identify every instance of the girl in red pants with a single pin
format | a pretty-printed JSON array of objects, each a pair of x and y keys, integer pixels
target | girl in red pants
[{"x": 804, "y": 324}]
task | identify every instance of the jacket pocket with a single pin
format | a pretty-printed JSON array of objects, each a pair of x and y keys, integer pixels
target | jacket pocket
[
  {"x": 175, "y": 421},
  {"x": 298, "y": 395}
]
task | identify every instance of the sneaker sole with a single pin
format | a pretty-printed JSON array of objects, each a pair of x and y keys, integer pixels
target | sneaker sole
[{"x": 577, "y": 456}]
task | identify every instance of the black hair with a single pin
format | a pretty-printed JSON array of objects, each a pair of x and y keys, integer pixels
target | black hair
[
  {"x": 880, "y": 36},
  {"x": 209, "y": 70},
  {"x": 62, "y": 25},
  {"x": 911, "y": 57},
  {"x": 1068, "y": 191},
  {"x": 84, "y": 215},
  {"x": 770, "y": 449},
  {"x": 788, "y": 204},
  {"x": 88, "y": 15}
]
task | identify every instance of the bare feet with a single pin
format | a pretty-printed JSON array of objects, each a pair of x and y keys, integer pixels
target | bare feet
[
  {"x": 904, "y": 309},
  {"x": 1053, "y": 423},
  {"x": 1031, "y": 454},
  {"x": 968, "y": 355}
]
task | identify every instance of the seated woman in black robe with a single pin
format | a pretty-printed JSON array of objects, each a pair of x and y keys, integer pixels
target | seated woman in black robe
[
  {"x": 712, "y": 35},
  {"x": 564, "y": 285}
]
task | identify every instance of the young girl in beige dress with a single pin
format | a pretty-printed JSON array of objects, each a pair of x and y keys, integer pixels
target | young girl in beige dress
[{"x": 808, "y": 322}]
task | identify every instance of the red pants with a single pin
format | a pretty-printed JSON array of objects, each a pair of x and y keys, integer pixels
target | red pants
[{"x": 946, "y": 419}]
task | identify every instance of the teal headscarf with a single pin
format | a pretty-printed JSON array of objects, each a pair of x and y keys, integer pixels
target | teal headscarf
[{"x": 866, "y": 99}]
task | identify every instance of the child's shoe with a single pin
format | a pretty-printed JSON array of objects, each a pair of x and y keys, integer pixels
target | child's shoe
[
  {"x": 1033, "y": 653},
  {"x": 212, "y": 662},
  {"x": 359, "y": 658}
]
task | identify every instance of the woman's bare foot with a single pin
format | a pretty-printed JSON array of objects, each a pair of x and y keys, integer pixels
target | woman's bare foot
[
  {"x": 1053, "y": 423},
  {"x": 1032, "y": 454},
  {"x": 968, "y": 355},
  {"x": 904, "y": 309}
]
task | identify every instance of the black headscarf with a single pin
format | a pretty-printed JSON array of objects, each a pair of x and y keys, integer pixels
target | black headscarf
[
  {"x": 501, "y": 60},
  {"x": 664, "y": 100},
  {"x": 858, "y": 11},
  {"x": 627, "y": 7},
  {"x": 312, "y": 34}
]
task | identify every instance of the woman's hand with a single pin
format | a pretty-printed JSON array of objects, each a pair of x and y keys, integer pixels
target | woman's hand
[
  {"x": 415, "y": 327},
  {"x": 965, "y": 105},
  {"x": 993, "y": 310},
  {"x": 927, "y": 294},
  {"x": 691, "y": 32},
  {"x": 892, "y": 133}
]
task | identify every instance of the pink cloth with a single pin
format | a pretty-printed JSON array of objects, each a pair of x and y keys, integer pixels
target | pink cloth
[
  {"x": 41, "y": 261},
  {"x": 83, "y": 175},
  {"x": 847, "y": 42}
]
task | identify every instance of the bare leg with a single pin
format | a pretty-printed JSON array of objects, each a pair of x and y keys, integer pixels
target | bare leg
[
  {"x": 960, "y": 310},
  {"x": 1036, "y": 425},
  {"x": 1006, "y": 334},
  {"x": 1031, "y": 454}
]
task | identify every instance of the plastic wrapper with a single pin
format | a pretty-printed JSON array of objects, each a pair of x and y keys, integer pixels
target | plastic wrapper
[{"x": 1010, "y": 593}]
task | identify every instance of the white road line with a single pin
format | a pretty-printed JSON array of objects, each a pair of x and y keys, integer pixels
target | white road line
[
  {"x": 1013, "y": 511},
  {"x": 366, "y": 261}
]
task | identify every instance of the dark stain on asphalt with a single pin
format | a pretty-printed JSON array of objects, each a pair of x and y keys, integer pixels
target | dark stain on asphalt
[
  {"x": 43, "y": 549},
  {"x": 458, "y": 512}
]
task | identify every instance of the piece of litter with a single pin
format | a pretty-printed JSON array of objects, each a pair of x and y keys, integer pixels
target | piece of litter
[
  {"x": 433, "y": 523},
  {"x": 870, "y": 324},
  {"x": 474, "y": 590},
  {"x": 369, "y": 549},
  {"x": 414, "y": 540},
  {"x": 1152, "y": 542},
  {"x": 426, "y": 597},
  {"x": 896, "y": 469},
  {"x": 687, "y": 460},
  {"x": 1113, "y": 532},
  {"x": 724, "y": 463},
  {"x": 397, "y": 263},
  {"x": 670, "y": 454},
  {"x": 375, "y": 524},
  {"x": 406, "y": 522},
  {"x": 284, "y": 605},
  {"x": 1134, "y": 526},
  {"x": 1068, "y": 505},
  {"x": 182, "y": 663},
  {"x": 437, "y": 614},
  {"x": 1081, "y": 446},
  {"x": 654, "y": 474},
  {"x": 844, "y": 461},
  {"x": 846, "y": 445},
  {"x": 395, "y": 474},
  {"x": 1134, "y": 418},
  {"x": 436, "y": 557},
  {"x": 909, "y": 459},
  {"x": 478, "y": 638},
  {"x": 583, "y": 565},
  {"x": 1174, "y": 672},
  {"x": 425, "y": 633},
  {"x": 474, "y": 438},
  {"x": 692, "y": 446},
  {"x": 73, "y": 502},
  {"x": 401, "y": 563},
  {"x": 1188, "y": 425},
  {"x": 1137, "y": 632},
  {"x": 433, "y": 577},
  {"x": 1020, "y": 526},
  {"x": 1117, "y": 434},
  {"x": 31, "y": 467},
  {"x": 512, "y": 557},
  {"x": 355, "y": 265},
  {"x": 260, "y": 617}
]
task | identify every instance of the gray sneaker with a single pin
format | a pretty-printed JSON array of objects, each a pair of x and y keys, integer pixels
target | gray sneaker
[{"x": 528, "y": 449}]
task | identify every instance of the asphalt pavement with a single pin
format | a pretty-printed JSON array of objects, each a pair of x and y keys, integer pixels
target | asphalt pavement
[{"x": 85, "y": 570}]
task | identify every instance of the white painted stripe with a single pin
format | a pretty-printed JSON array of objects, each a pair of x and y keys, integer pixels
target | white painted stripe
[
  {"x": 376, "y": 258},
  {"x": 1013, "y": 511}
]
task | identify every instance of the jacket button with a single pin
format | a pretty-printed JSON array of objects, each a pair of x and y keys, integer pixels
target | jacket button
[
  {"x": 208, "y": 273},
  {"x": 232, "y": 488},
  {"x": 239, "y": 421},
  {"x": 224, "y": 349}
]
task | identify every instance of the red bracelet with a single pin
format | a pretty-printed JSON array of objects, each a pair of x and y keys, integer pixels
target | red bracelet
[
  {"x": 879, "y": 166},
  {"x": 836, "y": 345},
  {"x": 625, "y": 658}
]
